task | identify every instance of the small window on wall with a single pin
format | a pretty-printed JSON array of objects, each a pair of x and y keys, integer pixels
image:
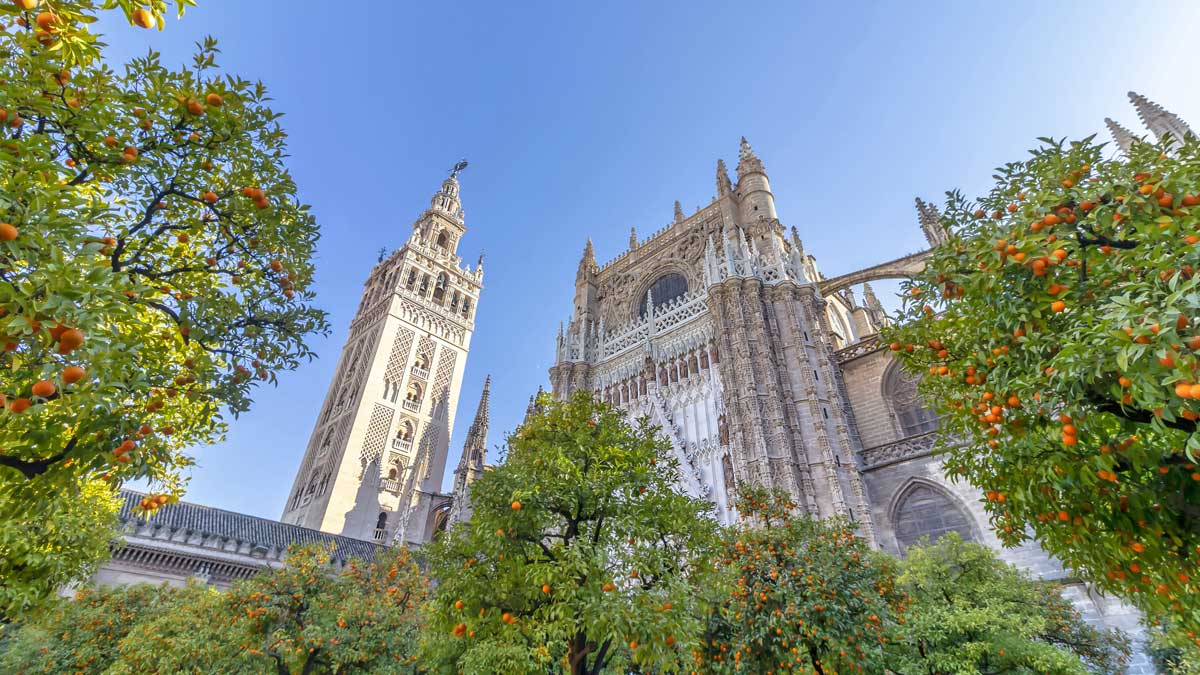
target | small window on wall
[{"x": 442, "y": 240}]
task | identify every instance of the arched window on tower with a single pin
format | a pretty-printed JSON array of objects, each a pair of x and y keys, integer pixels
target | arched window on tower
[
  {"x": 381, "y": 526},
  {"x": 442, "y": 240},
  {"x": 412, "y": 279},
  {"x": 925, "y": 510},
  {"x": 439, "y": 288},
  {"x": 665, "y": 289},
  {"x": 908, "y": 408},
  {"x": 466, "y": 308}
]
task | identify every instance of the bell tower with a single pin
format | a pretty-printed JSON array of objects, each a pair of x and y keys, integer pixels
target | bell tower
[{"x": 374, "y": 464}]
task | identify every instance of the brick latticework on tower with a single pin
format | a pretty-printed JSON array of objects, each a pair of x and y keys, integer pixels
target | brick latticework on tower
[
  {"x": 760, "y": 370},
  {"x": 375, "y": 462}
]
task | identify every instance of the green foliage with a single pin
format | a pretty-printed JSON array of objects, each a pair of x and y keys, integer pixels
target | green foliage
[
  {"x": 79, "y": 635},
  {"x": 146, "y": 285},
  {"x": 809, "y": 595},
  {"x": 1173, "y": 651},
  {"x": 301, "y": 618},
  {"x": 580, "y": 555},
  {"x": 973, "y": 613},
  {"x": 1059, "y": 327},
  {"x": 64, "y": 544}
]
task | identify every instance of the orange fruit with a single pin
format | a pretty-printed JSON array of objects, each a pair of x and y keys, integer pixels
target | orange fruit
[
  {"x": 19, "y": 405},
  {"x": 25, "y": 4},
  {"x": 516, "y": 506},
  {"x": 73, "y": 374},
  {"x": 43, "y": 388},
  {"x": 210, "y": 197},
  {"x": 45, "y": 20},
  {"x": 71, "y": 339},
  {"x": 7, "y": 232},
  {"x": 195, "y": 108},
  {"x": 214, "y": 100},
  {"x": 1058, "y": 306},
  {"x": 143, "y": 17}
]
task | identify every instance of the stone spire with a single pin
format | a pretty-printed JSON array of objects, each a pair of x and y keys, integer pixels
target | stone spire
[
  {"x": 1159, "y": 121},
  {"x": 678, "y": 212},
  {"x": 931, "y": 223},
  {"x": 724, "y": 186},
  {"x": 533, "y": 407},
  {"x": 1124, "y": 137},
  {"x": 633, "y": 240},
  {"x": 587, "y": 263},
  {"x": 748, "y": 162},
  {"x": 471, "y": 464},
  {"x": 874, "y": 307},
  {"x": 477, "y": 434}
]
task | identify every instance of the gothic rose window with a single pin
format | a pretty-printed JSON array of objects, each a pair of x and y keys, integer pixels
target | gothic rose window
[
  {"x": 912, "y": 415},
  {"x": 925, "y": 511},
  {"x": 665, "y": 289}
]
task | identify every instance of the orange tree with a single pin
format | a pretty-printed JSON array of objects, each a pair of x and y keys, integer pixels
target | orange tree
[
  {"x": 301, "y": 618},
  {"x": 580, "y": 556},
  {"x": 970, "y": 612},
  {"x": 78, "y": 635},
  {"x": 154, "y": 257},
  {"x": 809, "y": 596},
  {"x": 1058, "y": 330}
]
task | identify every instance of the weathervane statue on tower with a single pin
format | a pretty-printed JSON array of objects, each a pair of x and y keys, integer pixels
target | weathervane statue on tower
[{"x": 462, "y": 164}]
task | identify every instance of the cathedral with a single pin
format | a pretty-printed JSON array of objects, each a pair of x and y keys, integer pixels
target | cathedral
[{"x": 722, "y": 330}]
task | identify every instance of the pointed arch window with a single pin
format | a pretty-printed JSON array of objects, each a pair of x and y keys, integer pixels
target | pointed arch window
[
  {"x": 381, "y": 525},
  {"x": 912, "y": 415},
  {"x": 925, "y": 511},
  {"x": 442, "y": 240}
]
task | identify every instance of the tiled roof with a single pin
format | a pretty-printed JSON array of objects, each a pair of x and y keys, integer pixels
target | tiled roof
[{"x": 241, "y": 527}]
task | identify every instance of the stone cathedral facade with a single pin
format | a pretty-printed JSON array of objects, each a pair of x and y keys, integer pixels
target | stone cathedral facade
[
  {"x": 724, "y": 332},
  {"x": 374, "y": 464}
]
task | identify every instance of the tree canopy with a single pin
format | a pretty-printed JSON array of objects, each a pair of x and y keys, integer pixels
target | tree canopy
[
  {"x": 581, "y": 556},
  {"x": 809, "y": 596},
  {"x": 155, "y": 258},
  {"x": 1058, "y": 330},
  {"x": 301, "y": 618},
  {"x": 970, "y": 612}
]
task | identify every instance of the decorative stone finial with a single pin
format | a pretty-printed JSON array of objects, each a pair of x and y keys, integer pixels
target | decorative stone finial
[
  {"x": 724, "y": 186},
  {"x": 1159, "y": 121},
  {"x": 587, "y": 263},
  {"x": 633, "y": 240},
  {"x": 931, "y": 223},
  {"x": 678, "y": 212},
  {"x": 1124, "y": 137},
  {"x": 748, "y": 162}
]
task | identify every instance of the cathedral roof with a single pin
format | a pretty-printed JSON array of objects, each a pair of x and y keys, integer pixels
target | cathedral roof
[{"x": 189, "y": 518}]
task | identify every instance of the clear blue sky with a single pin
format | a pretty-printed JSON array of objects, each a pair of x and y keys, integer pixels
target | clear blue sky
[{"x": 588, "y": 118}]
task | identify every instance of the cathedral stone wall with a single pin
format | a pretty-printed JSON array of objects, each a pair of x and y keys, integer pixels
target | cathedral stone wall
[{"x": 864, "y": 376}]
